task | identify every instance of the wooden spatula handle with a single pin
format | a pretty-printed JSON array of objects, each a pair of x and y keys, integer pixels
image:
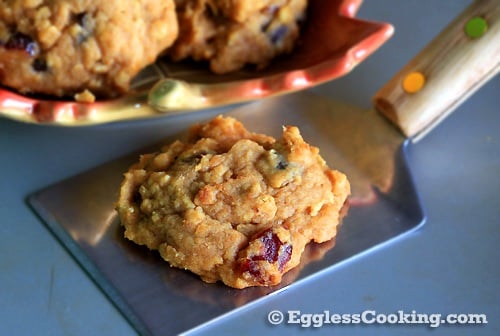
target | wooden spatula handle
[{"x": 453, "y": 66}]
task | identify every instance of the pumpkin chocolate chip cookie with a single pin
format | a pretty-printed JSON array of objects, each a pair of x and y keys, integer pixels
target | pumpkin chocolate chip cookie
[
  {"x": 81, "y": 47},
  {"x": 230, "y": 34},
  {"x": 232, "y": 205}
]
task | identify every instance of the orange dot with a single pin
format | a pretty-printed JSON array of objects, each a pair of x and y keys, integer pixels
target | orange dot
[{"x": 413, "y": 82}]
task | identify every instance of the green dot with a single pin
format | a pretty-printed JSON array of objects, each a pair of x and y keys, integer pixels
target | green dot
[{"x": 476, "y": 27}]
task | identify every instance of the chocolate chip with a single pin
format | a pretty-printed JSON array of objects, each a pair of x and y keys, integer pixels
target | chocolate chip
[
  {"x": 137, "y": 198},
  {"x": 39, "y": 65},
  {"x": 282, "y": 165},
  {"x": 84, "y": 20},
  {"x": 20, "y": 41},
  {"x": 278, "y": 34}
]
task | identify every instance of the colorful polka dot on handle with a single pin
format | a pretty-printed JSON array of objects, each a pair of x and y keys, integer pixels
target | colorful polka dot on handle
[
  {"x": 413, "y": 82},
  {"x": 476, "y": 27}
]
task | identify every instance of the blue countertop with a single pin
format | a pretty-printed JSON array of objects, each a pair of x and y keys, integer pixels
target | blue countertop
[{"x": 448, "y": 266}]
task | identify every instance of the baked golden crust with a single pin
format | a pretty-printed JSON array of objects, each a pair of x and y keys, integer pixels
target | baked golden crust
[{"x": 232, "y": 205}]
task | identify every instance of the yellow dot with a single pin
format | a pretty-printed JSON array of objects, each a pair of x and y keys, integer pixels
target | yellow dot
[{"x": 413, "y": 82}]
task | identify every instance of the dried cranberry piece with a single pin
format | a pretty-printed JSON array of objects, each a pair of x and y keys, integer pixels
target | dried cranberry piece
[
  {"x": 284, "y": 256},
  {"x": 20, "y": 41},
  {"x": 271, "y": 248},
  {"x": 251, "y": 267},
  {"x": 273, "y": 251}
]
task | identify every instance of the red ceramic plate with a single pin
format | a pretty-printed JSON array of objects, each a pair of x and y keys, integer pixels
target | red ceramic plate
[{"x": 333, "y": 42}]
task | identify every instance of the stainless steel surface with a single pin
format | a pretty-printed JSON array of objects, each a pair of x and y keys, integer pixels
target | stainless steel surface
[{"x": 158, "y": 299}]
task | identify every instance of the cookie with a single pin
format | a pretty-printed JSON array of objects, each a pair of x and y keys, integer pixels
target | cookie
[
  {"x": 232, "y": 205},
  {"x": 231, "y": 34},
  {"x": 83, "y": 47}
]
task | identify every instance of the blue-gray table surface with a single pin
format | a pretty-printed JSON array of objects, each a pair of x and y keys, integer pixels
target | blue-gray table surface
[{"x": 450, "y": 265}]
